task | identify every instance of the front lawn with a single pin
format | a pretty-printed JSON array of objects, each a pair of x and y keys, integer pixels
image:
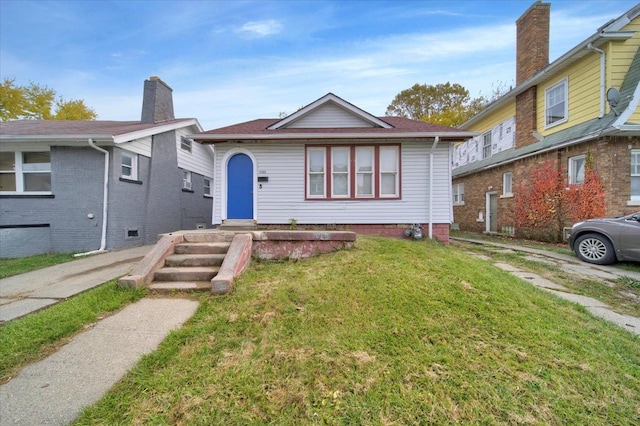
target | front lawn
[{"x": 390, "y": 332}]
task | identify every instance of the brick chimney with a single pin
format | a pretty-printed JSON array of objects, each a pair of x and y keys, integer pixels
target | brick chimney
[
  {"x": 157, "y": 101},
  {"x": 532, "y": 54}
]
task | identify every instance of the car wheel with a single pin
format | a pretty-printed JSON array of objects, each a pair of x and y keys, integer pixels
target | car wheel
[{"x": 595, "y": 248}]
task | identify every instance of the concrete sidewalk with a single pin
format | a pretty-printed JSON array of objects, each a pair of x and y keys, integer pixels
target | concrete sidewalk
[
  {"x": 55, "y": 390},
  {"x": 32, "y": 291}
]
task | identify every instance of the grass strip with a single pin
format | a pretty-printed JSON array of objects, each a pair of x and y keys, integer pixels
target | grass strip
[
  {"x": 20, "y": 265},
  {"x": 390, "y": 332},
  {"x": 30, "y": 338}
]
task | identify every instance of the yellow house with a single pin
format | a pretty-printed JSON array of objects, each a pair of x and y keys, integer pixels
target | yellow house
[{"x": 582, "y": 108}]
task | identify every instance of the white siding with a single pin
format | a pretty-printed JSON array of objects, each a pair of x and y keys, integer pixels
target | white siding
[
  {"x": 199, "y": 160},
  {"x": 329, "y": 115},
  {"x": 140, "y": 146},
  {"x": 282, "y": 197}
]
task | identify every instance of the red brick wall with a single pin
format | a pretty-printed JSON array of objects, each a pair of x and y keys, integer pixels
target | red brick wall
[{"x": 526, "y": 117}]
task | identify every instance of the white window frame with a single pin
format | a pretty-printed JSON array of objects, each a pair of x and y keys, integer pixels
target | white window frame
[
  {"x": 207, "y": 184},
  {"x": 635, "y": 172},
  {"x": 507, "y": 184},
  {"x": 560, "y": 88},
  {"x": 186, "y": 180},
  {"x": 371, "y": 173},
  {"x": 486, "y": 147},
  {"x": 335, "y": 173},
  {"x": 19, "y": 171},
  {"x": 185, "y": 144},
  {"x": 133, "y": 167},
  {"x": 458, "y": 194},
  {"x": 574, "y": 168},
  {"x": 395, "y": 172},
  {"x": 323, "y": 152}
]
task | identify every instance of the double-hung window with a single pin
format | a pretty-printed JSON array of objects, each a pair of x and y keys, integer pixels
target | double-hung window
[
  {"x": 507, "y": 184},
  {"x": 353, "y": 172},
  {"x": 576, "y": 169},
  {"x": 316, "y": 164},
  {"x": 635, "y": 174},
  {"x": 185, "y": 144},
  {"x": 129, "y": 166},
  {"x": 207, "y": 187},
  {"x": 340, "y": 159},
  {"x": 556, "y": 103},
  {"x": 186, "y": 180},
  {"x": 25, "y": 172},
  {"x": 486, "y": 144},
  {"x": 458, "y": 194},
  {"x": 365, "y": 171}
]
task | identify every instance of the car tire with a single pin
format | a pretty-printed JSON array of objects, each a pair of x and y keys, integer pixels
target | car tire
[{"x": 595, "y": 248}]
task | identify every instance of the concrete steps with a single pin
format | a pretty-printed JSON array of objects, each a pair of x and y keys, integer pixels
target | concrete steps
[{"x": 193, "y": 265}]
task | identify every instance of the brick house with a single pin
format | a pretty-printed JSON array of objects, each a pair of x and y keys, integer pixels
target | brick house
[
  {"x": 94, "y": 185},
  {"x": 558, "y": 111}
]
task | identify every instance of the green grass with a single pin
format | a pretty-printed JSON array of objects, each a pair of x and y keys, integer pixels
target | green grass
[
  {"x": 20, "y": 265},
  {"x": 32, "y": 337},
  {"x": 390, "y": 332}
]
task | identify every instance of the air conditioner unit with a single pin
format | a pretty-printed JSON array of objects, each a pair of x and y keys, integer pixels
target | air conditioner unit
[{"x": 186, "y": 184}]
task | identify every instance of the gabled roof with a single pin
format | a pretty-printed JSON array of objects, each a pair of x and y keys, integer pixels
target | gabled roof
[
  {"x": 608, "y": 32},
  {"x": 351, "y": 123},
  {"x": 81, "y": 130},
  {"x": 364, "y": 117}
]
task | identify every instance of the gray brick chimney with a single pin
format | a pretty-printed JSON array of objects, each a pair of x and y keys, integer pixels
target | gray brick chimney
[{"x": 157, "y": 101}]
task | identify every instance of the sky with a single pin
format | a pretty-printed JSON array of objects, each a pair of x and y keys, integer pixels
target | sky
[{"x": 230, "y": 61}]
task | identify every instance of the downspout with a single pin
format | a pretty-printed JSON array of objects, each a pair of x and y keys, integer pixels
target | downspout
[
  {"x": 105, "y": 198},
  {"x": 433, "y": 148},
  {"x": 602, "y": 76}
]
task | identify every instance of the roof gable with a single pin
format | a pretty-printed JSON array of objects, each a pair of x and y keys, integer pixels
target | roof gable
[{"x": 330, "y": 111}]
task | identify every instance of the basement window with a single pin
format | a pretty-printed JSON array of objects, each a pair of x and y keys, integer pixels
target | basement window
[{"x": 132, "y": 233}]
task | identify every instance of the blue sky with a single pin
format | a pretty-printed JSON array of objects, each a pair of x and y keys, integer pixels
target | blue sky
[{"x": 233, "y": 61}]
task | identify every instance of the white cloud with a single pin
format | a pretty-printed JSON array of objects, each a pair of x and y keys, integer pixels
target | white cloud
[{"x": 259, "y": 29}]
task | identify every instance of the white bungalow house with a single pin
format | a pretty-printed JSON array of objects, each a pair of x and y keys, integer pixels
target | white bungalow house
[{"x": 332, "y": 165}]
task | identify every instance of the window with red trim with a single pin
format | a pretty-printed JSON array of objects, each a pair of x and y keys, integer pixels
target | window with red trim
[{"x": 352, "y": 172}]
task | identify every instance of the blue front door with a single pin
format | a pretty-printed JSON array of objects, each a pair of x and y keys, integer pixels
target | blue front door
[{"x": 240, "y": 187}]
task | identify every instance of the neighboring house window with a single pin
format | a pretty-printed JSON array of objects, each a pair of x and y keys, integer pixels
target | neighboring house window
[
  {"x": 486, "y": 145},
  {"x": 315, "y": 172},
  {"x": 556, "y": 103},
  {"x": 364, "y": 171},
  {"x": 340, "y": 172},
  {"x": 458, "y": 194},
  {"x": 389, "y": 173},
  {"x": 207, "y": 186},
  {"x": 185, "y": 144},
  {"x": 186, "y": 179},
  {"x": 129, "y": 166},
  {"x": 507, "y": 184},
  {"x": 355, "y": 172},
  {"x": 25, "y": 171},
  {"x": 635, "y": 174},
  {"x": 576, "y": 169}
]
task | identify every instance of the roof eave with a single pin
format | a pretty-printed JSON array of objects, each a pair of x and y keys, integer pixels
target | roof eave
[{"x": 298, "y": 136}]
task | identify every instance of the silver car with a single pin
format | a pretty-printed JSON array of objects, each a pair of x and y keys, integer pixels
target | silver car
[{"x": 605, "y": 241}]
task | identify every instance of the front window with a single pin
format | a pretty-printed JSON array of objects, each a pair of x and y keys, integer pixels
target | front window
[
  {"x": 458, "y": 194},
  {"x": 207, "y": 186},
  {"x": 576, "y": 169},
  {"x": 129, "y": 166},
  {"x": 389, "y": 176},
  {"x": 354, "y": 172},
  {"x": 486, "y": 145},
  {"x": 186, "y": 179},
  {"x": 507, "y": 184},
  {"x": 364, "y": 172},
  {"x": 24, "y": 172},
  {"x": 556, "y": 103},
  {"x": 635, "y": 174},
  {"x": 315, "y": 172},
  {"x": 340, "y": 172}
]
